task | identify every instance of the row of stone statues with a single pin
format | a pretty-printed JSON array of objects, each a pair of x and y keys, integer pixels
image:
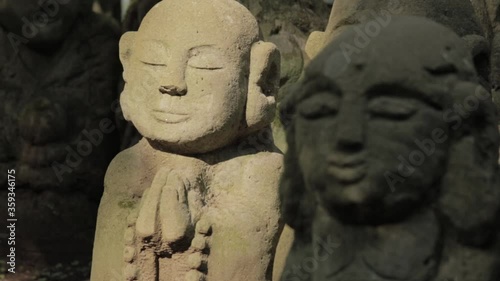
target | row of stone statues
[
  {"x": 391, "y": 171},
  {"x": 388, "y": 130},
  {"x": 62, "y": 122}
]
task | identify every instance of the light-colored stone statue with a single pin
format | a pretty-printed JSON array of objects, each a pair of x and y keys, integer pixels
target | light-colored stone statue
[
  {"x": 197, "y": 197},
  {"x": 391, "y": 171}
]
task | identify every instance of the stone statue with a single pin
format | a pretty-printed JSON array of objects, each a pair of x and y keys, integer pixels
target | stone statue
[
  {"x": 391, "y": 172},
  {"x": 197, "y": 197},
  {"x": 466, "y": 17},
  {"x": 458, "y": 15},
  {"x": 59, "y": 71}
]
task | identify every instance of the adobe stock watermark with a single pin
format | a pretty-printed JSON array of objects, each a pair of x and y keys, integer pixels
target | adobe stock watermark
[
  {"x": 322, "y": 250},
  {"x": 427, "y": 147},
  {"x": 31, "y": 26},
  {"x": 85, "y": 144}
]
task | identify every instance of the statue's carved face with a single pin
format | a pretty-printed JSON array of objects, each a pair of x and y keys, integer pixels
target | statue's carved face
[
  {"x": 40, "y": 22},
  {"x": 349, "y": 137},
  {"x": 371, "y": 135},
  {"x": 187, "y": 79},
  {"x": 398, "y": 127}
]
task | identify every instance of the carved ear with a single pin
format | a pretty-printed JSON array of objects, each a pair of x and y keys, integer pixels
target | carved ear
[
  {"x": 315, "y": 44},
  {"x": 263, "y": 85},
  {"x": 126, "y": 43},
  {"x": 469, "y": 190}
]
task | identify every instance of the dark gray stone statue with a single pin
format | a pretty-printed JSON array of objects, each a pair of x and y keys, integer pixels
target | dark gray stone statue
[
  {"x": 391, "y": 172},
  {"x": 458, "y": 15},
  {"x": 59, "y": 72}
]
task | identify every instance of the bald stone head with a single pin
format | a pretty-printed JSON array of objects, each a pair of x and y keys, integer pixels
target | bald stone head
[
  {"x": 198, "y": 78},
  {"x": 227, "y": 24},
  {"x": 458, "y": 15},
  {"x": 358, "y": 118}
]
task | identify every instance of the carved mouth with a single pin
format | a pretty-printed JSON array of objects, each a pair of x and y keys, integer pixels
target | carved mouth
[
  {"x": 348, "y": 175},
  {"x": 347, "y": 169},
  {"x": 169, "y": 118}
]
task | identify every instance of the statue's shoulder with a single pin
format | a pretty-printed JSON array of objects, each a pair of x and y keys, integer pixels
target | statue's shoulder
[
  {"x": 125, "y": 171},
  {"x": 265, "y": 160},
  {"x": 264, "y": 167}
]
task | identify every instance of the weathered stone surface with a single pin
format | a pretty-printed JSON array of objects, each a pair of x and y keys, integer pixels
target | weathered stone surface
[
  {"x": 59, "y": 69},
  {"x": 391, "y": 171},
  {"x": 458, "y": 15},
  {"x": 287, "y": 24},
  {"x": 197, "y": 197},
  {"x": 284, "y": 23}
]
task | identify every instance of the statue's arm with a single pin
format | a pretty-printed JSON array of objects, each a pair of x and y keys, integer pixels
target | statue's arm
[
  {"x": 262, "y": 175},
  {"x": 116, "y": 205}
]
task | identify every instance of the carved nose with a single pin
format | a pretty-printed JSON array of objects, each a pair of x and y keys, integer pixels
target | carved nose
[
  {"x": 173, "y": 90},
  {"x": 351, "y": 130},
  {"x": 350, "y": 144}
]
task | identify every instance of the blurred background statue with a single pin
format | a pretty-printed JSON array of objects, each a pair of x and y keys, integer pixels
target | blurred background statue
[
  {"x": 59, "y": 74},
  {"x": 391, "y": 172}
]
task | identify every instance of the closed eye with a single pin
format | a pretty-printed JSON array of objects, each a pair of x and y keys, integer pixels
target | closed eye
[
  {"x": 207, "y": 67},
  {"x": 206, "y": 60},
  {"x": 392, "y": 107},
  {"x": 320, "y": 105},
  {"x": 152, "y": 53},
  {"x": 153, "y": 63}
]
